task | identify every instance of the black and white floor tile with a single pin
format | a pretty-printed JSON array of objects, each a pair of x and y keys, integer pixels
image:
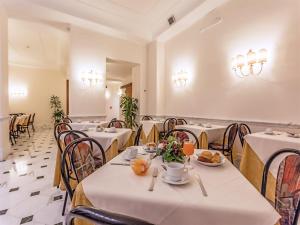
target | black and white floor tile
[{"x": 26, "y": 192}]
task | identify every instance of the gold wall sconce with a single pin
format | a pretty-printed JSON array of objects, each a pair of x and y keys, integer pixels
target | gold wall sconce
[
  {"x": 180, "y": 79},
  {"x": 251, "y": 64},
  {"x": 91, "y": 78}
]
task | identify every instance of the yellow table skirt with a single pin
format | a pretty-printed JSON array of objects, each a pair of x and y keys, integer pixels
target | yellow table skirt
[
  {"x": 57, "y": 182},
  {"x": 153, "y": 136},
  {"x": 252, "y": 168}
]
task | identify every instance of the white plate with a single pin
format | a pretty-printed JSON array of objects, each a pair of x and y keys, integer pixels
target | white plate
[
  {"x": 181, "y": 182},
  {"x": 146, "y": 149},
  {"x": 270, "y": 133},
  {"x": 294, "y": 136},
  {"x": 210, "y": 164}
]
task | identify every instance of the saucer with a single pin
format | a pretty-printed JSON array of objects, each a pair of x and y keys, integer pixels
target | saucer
[
  {"x": 294, "y": 136},
  {"x": 124, "y": 156},
  {"x": 148, "y": 150},
  {"x": 185, "y": 180}
]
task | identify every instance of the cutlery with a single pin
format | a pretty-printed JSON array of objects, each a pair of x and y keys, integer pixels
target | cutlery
[
  {"x": 198, "y": 179},
  {"x": 120, "y": 164},
  {"x": 164, "y": 167},
  {"x": 154, "y": 176}
]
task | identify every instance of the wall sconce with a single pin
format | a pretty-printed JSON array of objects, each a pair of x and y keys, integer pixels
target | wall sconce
[
  {"x": 252, "y": 60},
  {"x": 180, "y": 79},
  {"x": 18, "y": 92},
  {"x": 91, "y": 78}
]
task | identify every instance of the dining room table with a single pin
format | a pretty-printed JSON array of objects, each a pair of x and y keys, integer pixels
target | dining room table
[
  {"x": 257, "y": 149},
  {"x": 230, "y": 199},
  {"x": 151, "y": 130},
  {"x": 111, "y": 142},
  {"x": 206, "y": 133},
  {"x": 85, "y": 125}
]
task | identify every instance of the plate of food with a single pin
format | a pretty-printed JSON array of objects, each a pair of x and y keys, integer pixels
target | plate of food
[
  {"x": 150, "y": 147},
  {"x": 210, "y": 158}
]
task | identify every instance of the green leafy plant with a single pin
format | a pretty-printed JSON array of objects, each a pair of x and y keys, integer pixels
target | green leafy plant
[
  {"x": 129, "y": 108},
  {"x": 57, "y": 110},
  {"x": 171, "y": 150}
]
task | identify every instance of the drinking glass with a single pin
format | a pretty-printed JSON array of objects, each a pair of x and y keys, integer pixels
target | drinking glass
[{"x": 188, "y": 150}]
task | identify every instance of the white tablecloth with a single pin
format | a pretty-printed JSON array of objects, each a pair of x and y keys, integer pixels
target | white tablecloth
[
  {"x": 214, "y": 133},
  {"x": 265, "y": 145},
  {"x": 106, "y": 139},
  {"x": 231, "y": 198},
  {"x": 86, "y": 125},
  {"x": 148, "y": 125}
]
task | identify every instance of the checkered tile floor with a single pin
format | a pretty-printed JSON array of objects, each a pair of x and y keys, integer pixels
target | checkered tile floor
[{"x": 26, "y": 192}]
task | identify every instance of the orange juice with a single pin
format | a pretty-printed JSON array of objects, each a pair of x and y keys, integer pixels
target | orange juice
[
  {"x": 139, "y": 166},
  {"x": 188, "y": 148}
]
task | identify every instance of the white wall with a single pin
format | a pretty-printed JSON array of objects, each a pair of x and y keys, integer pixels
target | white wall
[
  {"x": 40, "y": 85},
  {"x": 112, "y": 100},
  {"x": 4, "y": 149},
  {"x": 89, "y": 50},
  {"x": 214, "y": 91}
]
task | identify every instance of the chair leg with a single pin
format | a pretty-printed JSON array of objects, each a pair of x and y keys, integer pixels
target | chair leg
[
  {"x": 65, "y": 203},
  {"x": 231, "y": 157},
  {"x": 33, "y": 128},
  {"x": 28, "y": 131}
]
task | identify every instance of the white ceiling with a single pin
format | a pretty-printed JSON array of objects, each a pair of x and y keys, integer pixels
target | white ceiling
[
  {"x": 37, "y": 45},
  {"x": 142, "y": 19}
]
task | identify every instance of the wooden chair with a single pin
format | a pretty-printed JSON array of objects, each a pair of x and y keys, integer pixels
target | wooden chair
[
  {"x": 169, "y": 124},
  {"x": 228, "y": 141},
  {"x": 181, "y": 121},
  {"x": 69, "y": 136},
  {"x": 138, "y": 135},
  {"x": 101, "y": 217},
  {"x": 287, "y": 194},
  {"x": 117, "y": 124},
  {"x": 147, "y": 118},
  {"x": 243, "y": 130},
  {"x": 182, "y": 135},
  {"x": 67, "y": 120},
  {"x": 60, "y": 127},
  {"x": 78, "y": 161},
  {"x": 25, "y": 126},
  {"x": 31, "y": 122},
  {"x": 12, "y": 136}
]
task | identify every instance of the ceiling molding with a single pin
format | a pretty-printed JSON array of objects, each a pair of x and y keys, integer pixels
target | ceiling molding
[{"x": 190, "y": 19}]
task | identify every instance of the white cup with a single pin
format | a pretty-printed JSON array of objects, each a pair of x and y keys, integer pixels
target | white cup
[
  {"x": 131, "y": 153},
  {"x": 269, "y": 131},
  {"x": 176, "y": 171}
]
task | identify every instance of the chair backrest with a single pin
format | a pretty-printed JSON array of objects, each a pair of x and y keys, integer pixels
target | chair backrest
[
  {"x": 117, "y": 124},
  {"x": 60, "y": 127},
  {"x": 12, "y": 123},
  {"x": 101, "y": 217},
  {"x": 28, "y": 119},
  {"x": 80, "y": 155},
  {"x": 183, "y": 135},
  {"x": 67, "y": 120},
  {"x": 230, "y": 135},
  {"x": 287, "y": 194},
  {"x": 181, "y": 121},
  {"x": 68, "y": 137},
  {"x": 169, "y": 124},
  {"x": 147, "y": 118},
  {"x": 138, "y": 135},
  {"x": 32, "y": 118},
  {"x": 243, "y": 130}
]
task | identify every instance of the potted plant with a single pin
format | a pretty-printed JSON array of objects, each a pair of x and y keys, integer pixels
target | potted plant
[
  {"x": 129, "y": 108},
  {"x": 171, "y": 150},
  {"x": 57, "y": 110}
]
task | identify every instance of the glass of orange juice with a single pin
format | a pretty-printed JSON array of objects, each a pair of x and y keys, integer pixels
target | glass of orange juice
[{"x": 188, "y": 150}]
